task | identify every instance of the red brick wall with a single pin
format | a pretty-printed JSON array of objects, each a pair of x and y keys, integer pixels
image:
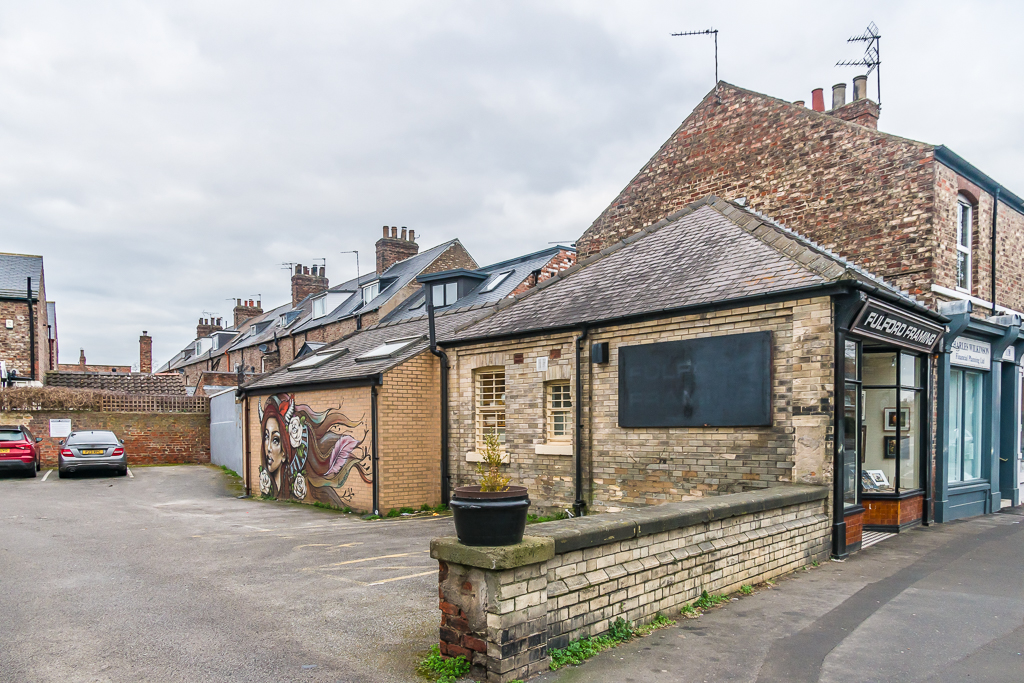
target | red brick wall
[
  {"x": 149, "y": 438},
  {"x": 854, "y": 528},
  {"x": 559, "y": 262},
  {"x": 866, "y": 195},
  {"x": 893, "y": 512}
]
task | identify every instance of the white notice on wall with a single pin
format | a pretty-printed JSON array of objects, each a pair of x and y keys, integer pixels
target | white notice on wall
[
  {"x": 542, "y": 364},
  {"x": 971, "y": 353},
  {"x": 1008, "y": 355},
  {"x": 60, "y": 428}
]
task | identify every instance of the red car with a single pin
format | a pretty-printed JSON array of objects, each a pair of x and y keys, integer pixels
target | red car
[{"x": 18, "y": 450}]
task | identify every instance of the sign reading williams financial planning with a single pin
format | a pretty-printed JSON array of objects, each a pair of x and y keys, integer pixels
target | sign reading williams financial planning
[
  {"x": 971, "y": 353},
  {"x": 890, "y": 324}
]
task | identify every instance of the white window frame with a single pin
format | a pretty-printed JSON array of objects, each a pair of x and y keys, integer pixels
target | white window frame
[
  {"x": 370, "y": 292},
  {"x": 558, "y": 402},
  {"x": 319, "y": 307},
  {"x": 445, "y": 294},
  {"x": 496, "y": 280},
  {"x": 964, "y": 207},
  {"x": 489, "y": 404}
]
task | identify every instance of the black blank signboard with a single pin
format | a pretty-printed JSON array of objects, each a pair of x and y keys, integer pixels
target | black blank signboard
[{"x": 714, "y": 382}]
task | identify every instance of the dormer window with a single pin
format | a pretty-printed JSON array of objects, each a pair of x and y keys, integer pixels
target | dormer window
[
  {"x": 319, "y": 307},
  {"x": 445, "y": 294},
  {"x": 370, "y": 292},
  {"x": 964, "y": 223}
]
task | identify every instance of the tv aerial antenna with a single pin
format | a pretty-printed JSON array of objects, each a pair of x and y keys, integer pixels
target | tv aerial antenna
[
  {"x": 872, "y": 58},
  {"x": 706, "y": 32}
]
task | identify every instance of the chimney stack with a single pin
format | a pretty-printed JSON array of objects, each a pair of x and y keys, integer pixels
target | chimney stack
[
  {"x": 860, "y": 88},
  {"x": 244, "y": 310},
  {"x": 145, "y": 353},
  {"x": 206, "y": 327},
  {"x": 81, "y": 359},
  {"x": 305, "y": 283},
  {"x": 818, "y": 99},
  {"x": 392, "y": 249},
  {"x": 838, "y": 95}
]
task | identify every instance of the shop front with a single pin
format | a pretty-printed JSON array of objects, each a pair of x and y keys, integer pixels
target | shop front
[
  {"x": 979, "y": 414},
  {"x": 883, "y": 449}
]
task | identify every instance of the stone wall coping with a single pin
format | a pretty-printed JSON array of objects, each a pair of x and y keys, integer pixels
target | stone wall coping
[
  {"x": 566, "y": 535},
  {"x": 531, "y": 550}
]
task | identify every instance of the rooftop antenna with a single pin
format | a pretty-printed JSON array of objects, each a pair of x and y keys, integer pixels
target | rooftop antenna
[
  {"x": 290, "y": 265},
  {"x": 357, "y": 263},
  {"x": 872, "y": 58},
  {"x": 707, "y": 32}
]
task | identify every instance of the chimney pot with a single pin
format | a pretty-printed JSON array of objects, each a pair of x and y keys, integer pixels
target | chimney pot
[
  {"x": 323, "y": 271},
  {"x": 298, "y": 269},
  {"x": 800, "y": 103},
  {"x": 404, "y": 233},
  {"x": 394, "y": 231},
  {"x": 238, "y": 302},
  {"x": 385, "y": 231},
  {"x": 860, "y": 87},
  {"x": 412, "y": 235},
  {"x": 818, "y": 99},
  {"x": 305, "y": 270},
  {"x": 838, "y": 95}
]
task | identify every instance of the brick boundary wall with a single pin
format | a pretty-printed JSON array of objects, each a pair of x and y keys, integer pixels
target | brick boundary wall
[
  {"x": 149, "y": 438},
  {"x": 503, "y": 608}
]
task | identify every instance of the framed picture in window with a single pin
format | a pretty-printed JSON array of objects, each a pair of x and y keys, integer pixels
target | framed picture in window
[
  {"x": 879, "y": 478},
  {"x": 896, "y": 418},
  {"x": 891, "y": 449}
]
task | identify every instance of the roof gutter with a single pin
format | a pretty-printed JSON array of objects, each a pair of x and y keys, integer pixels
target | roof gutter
[{"x": 364, "y": 381}]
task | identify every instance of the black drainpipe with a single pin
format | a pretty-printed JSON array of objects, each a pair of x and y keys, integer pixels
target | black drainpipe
[
  {"x": 31, "y": 330},
  {"x": 445, "y": 366},
  {"x": 373, "y": 449},
  {"x": 995, "y": 213},
  {"x": 579, "y": 505}
]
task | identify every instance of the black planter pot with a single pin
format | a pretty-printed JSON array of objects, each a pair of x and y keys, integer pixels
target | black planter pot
[{"x": 489, "y": 517}]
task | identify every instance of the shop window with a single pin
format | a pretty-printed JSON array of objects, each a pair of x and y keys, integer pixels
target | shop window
[
  {"x": 892, "y": 417},
  {"x": 851, "y": 423},
  {"x": 490, "y": 405},
  {"x": 965, "y": 425},
  {"x": 964, "y": 223},
  {"x": 559, "y": 411}
]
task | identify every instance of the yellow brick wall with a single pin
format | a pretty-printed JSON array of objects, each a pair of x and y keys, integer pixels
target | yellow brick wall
[
  {"x": 354, "y": 404},
  {"x": 648, "y": 466},
  {"x": 410, "y": 434}
]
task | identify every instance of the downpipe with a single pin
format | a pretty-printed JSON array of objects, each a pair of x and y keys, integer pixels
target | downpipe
[{"x": 579, "y": 505}]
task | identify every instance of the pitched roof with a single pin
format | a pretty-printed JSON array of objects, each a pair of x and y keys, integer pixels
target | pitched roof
[
  {"x": 133, "y": 383},
  {"x": 346, "y": 366},
  {"x": 519, "y": 269},
  {"x": 14, "y": 269},
  {"x": 710, "y": 251}
]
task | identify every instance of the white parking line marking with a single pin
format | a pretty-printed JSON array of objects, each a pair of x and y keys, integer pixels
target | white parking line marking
[
  {"x": 399, "y": 578},
  {"x": 130, "y": 475},
  {"x": 47, "y": 474}
]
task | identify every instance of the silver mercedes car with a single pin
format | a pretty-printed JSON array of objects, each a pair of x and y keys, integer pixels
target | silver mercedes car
[{"x": 92, "y": 450}]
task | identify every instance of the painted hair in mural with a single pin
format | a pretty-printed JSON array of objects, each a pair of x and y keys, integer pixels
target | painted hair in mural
[{"x": 310, "y": 455}]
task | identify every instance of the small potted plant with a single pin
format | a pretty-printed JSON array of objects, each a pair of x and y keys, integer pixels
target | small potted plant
[{"x": 492, "y": 513}]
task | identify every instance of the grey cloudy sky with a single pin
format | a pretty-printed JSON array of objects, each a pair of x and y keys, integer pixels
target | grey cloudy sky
[{"x": 166, "y": 156}]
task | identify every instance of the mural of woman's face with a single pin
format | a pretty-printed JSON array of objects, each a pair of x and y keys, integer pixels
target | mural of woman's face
[{"x": 273, "y": 444}]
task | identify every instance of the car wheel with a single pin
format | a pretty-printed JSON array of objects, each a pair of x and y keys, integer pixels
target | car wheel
[
  {"x": 123, "y": 472},
  {"x": 31, "y": 473},
  {"x": 39, "y": 466},
  {"x": 62, "y": 474}
]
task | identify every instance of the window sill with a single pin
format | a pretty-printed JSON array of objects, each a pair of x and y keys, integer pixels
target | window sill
[
  {"x": 473, "y": 456},
  {"x": 553, "y": 448}
]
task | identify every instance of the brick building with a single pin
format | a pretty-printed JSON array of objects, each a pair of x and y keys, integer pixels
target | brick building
[
  {"x": 367, "y": 409},
  {"x": 26, "y": 335},
  {"x": 698, "y": 356},
  {"x": 913, "y": 213},
  {"x": 84, "y": 366}
]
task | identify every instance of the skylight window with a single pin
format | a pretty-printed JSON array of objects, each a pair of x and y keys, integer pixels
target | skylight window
[
  {"x": 389, "y": 348},
  {"x": 496, "y": 280},
  {"x": 317, "y": 359}
]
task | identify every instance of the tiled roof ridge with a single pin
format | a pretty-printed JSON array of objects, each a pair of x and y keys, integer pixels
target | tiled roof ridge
[
  {"x": 796, "y": 246},
  {"x": 11, "y": 253}
]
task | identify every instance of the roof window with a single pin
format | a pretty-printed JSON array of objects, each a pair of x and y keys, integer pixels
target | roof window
[
  {"x": 496, "y": 280},
  {"x": 389, "y": 348},
  {"x": 370, "y": 292},
  {"x": 317, "y": 359}
]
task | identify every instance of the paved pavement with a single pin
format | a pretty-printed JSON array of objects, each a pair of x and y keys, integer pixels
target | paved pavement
[
  {"x": 943, "y": 603},
  {"x": 169, "y": 577}
]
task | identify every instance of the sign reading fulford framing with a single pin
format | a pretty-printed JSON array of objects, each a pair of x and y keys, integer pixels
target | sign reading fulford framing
[{"x": 890, "y": 324}]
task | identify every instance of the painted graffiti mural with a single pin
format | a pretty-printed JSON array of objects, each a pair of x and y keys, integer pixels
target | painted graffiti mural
[{"x": 309, "y": 455}]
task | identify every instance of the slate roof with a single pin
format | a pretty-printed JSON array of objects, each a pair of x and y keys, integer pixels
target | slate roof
[
  {"x": 134, "y": 383},
  {"x": 51, "y": 318},
  {"x": 519, "y": 270},
  {"x": 14, "y": 268},
  {"x": 398, "y": 276},
  {"x": 708, "y": 252},
  {"x": 346, "y": 367}
]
